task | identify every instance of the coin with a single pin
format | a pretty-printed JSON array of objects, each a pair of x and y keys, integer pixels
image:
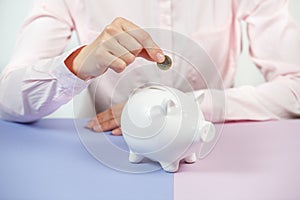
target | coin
[{"x": 167, "y": 64}]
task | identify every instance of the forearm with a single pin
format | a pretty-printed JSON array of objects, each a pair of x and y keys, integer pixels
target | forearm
[
  {"x": 273, "y": 100},
  {"x": 276, "y": 99},
  {"x": 274, "y": 48},
  {"x": 32, "y": 92}
]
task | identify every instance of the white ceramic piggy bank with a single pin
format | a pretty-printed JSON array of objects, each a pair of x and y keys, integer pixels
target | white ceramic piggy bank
[{"x": 164, "y": 125}]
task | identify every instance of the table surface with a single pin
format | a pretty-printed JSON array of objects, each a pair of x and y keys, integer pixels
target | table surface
[{"x": 47, "y": 160}]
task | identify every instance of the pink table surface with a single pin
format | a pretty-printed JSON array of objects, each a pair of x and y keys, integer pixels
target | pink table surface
[{"x": 252, "y": 160}]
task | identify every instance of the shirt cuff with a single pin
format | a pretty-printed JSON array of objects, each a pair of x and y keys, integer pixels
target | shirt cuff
[
  {"x": 67, "y": 81},
  {"x": 212, "y": 104}
]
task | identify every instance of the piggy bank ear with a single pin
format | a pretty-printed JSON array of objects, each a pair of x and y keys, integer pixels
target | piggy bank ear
[
  {"x": 168, "y": 106},
  {"x": 199, "y": 95}
]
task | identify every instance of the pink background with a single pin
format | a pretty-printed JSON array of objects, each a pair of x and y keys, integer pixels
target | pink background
[{"x": 252, "y": 160}]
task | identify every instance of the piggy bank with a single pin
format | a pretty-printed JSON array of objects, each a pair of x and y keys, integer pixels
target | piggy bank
[{"x": 165, "y": 125}]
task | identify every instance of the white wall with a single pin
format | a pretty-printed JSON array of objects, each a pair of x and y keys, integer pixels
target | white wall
[{"x": 12, "y": 13}]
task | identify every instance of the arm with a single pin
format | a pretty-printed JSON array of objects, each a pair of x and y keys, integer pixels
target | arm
[
  {"x": 275, "y": 48},
  {"x": 40, "y": 77},
  {"x": 36, "y": 81}
]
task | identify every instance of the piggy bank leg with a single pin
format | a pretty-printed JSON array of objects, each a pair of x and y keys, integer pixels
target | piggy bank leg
[
  {"x": 135, "y": 158},
  {"x": 170, "y": 167},
  {"x": 191, "y": 158}
]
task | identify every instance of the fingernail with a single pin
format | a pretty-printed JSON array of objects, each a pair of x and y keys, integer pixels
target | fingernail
[{"x": 160, "y": 57}]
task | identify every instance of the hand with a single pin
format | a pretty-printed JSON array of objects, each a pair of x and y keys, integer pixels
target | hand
[
  {"x": 116, "y": 47},
  {"x": 108, "y": 120}
]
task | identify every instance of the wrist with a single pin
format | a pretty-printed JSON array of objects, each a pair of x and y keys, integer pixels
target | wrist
[{"x": 70, "y": 61}]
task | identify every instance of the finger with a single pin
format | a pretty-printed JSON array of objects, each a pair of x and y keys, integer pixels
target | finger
[
  {"x": 91, "y": 123},
  {"x": 124, "y": 39},
  {"x": 111, "y": 61},
  {"x": 110, "y": 125},
  {"x": 145, "y": 55},
  {"x": 117, "y": 131},
  {"x": 118, "y": 65},
  {"x": 105, "y": 115},
  {"x": 119, "y": 51},
  {"x": 97, "y": 128},
  {"x": 109, "y": 114},
  {"x": 152, "y": 49},
  {"x": 130, "y": 43},
  {"x": 107, "y": 125},
  {"x": 144, "y": 39}
]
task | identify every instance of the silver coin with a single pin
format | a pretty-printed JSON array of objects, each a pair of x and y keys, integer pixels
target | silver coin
[{"x": 167, "y": 64}]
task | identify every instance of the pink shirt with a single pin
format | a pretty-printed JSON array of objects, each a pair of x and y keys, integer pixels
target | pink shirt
[{"x": 36, "y": 82}]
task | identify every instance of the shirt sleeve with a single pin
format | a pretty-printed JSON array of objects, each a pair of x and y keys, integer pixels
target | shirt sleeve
[
  {"x": 274, "y": 39},
  {"x": 36, "y": 81}
]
